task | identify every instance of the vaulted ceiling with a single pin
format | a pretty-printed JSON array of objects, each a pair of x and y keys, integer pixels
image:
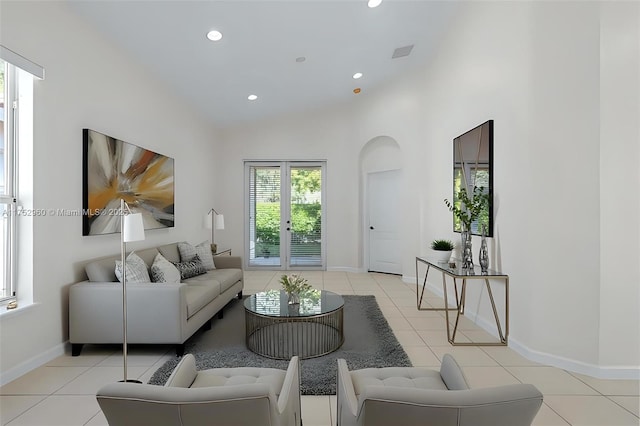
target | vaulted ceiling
[{"x": 294, "y": 55}]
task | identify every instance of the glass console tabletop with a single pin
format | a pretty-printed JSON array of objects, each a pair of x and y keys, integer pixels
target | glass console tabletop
[{"x": 457, "y": 269}]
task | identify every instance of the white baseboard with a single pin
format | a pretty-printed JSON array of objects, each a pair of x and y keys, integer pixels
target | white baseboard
[
  {"x": 32, "y": 363},
  {"x": 598, "y": 371},
  {"x": 346, "y": 269}
]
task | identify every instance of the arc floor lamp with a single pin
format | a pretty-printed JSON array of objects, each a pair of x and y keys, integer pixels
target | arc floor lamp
[{"x": 131, "y": 229}]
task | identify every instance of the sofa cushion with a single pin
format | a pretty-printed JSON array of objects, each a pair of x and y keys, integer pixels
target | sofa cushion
[
  {"x": 191, "y": 268},
  {"x": 199, "y": 296},
  {"x": 163, "y": 271},
  {"x": 202, "y": 250},
  {"x": 136, "y": 269},
  {"x": 226, "y": 277}
]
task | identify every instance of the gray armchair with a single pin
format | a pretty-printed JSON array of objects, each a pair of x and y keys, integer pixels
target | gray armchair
[
  {"x": 220, "y": 396},
  {"x": 418, "y": 396}
]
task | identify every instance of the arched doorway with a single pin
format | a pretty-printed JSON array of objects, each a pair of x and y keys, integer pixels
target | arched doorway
[{"x": 381, "y": 177}]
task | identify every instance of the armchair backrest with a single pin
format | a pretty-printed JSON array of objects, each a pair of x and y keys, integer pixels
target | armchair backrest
[
  {"x": 130, "y": 404},
  {"x": 513, "y": 405}
]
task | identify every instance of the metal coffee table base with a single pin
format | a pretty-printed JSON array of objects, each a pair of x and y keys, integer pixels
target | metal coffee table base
[{"x": 284, "y": 337}]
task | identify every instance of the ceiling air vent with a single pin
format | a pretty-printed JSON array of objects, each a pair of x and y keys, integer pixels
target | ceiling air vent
[{"x": 402, "y": 51}]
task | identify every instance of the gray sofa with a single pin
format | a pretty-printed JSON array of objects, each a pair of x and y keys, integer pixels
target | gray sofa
[{"x": 157, "y": 313}]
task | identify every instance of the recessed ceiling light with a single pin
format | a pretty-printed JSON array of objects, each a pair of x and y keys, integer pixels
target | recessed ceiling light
[
  {"x": 252, "y": 97},
  {"x": 374, "y": 3},
  {"x": 214, "y": 35},
  {"x": 357, "y": 75}
]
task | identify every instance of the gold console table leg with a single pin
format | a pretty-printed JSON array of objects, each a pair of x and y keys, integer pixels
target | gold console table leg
[
  {"x": 420, "y": 293},
  {"x": 451, "y": 336}
]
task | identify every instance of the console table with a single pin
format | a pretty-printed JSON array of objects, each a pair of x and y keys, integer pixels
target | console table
[{"x": 458, "y": 273}]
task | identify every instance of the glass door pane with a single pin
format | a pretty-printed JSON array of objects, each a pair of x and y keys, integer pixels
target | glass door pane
[
  {"x": 305, "y": 242},
  {"x": 264, "y": 216}
]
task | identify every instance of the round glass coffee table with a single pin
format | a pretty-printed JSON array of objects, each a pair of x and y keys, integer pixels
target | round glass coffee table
[{"x": 276, "y": 329}]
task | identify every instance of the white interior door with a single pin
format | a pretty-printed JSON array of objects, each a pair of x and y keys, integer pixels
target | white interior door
[{"x": 383, "y": 197}]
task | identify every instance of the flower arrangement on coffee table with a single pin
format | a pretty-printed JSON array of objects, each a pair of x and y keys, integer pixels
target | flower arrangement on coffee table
[{"x": 294, "y": 285}]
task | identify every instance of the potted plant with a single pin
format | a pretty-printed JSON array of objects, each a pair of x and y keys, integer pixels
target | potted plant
[
  {"x": 441, "y": 250},
  {"x": 469, "y": 208},
  {"x": 467, "y": 211}
]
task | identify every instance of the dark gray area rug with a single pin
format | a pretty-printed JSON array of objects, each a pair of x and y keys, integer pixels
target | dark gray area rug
[{"x": 369, "y": 342}]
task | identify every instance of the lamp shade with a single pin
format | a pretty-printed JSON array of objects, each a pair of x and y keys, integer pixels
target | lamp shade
[
  {"x": 219, "y": 221},
  {"x": 133, "y": 228},
  {"x": 208, "y": 220}
]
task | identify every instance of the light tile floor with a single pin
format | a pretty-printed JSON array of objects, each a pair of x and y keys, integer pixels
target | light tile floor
[{"x": 63, "y": 391}]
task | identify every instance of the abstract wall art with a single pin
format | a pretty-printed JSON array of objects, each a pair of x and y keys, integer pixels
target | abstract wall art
[{"x": 115, "y": 170}]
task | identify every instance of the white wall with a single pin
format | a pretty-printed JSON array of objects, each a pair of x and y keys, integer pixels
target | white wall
[
  {"x": 89, "y": 84},
  {"x": 550, "y": 75},
  {"x": 535, "y": 68},
  {"x": 619, "y": 180}
]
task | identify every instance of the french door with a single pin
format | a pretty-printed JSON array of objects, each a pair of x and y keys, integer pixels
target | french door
[{"x": 285, "y": 215}]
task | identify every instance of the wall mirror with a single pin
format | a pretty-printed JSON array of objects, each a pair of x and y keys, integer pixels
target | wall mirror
[{"x": 473, "y": 167}]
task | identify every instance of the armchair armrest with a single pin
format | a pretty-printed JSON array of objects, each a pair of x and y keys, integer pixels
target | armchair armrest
[
  {"x": 451, "y": 374},
  {"x": 346, "y": 393},
  {"x": 290, "y": 392},
  {"x": 184, "y": 374},
  {"x": 95, "y": 312}
]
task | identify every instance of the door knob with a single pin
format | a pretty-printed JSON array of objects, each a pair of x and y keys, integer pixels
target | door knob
[{"x": 371, "y": 227}]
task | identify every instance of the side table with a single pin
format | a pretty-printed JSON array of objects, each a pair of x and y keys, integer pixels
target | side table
[
  {"x": 224, "y": 252},
  {"x": 456, "y": 274}
]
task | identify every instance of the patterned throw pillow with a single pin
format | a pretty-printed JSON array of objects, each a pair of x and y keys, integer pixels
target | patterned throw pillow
[
  {"x": 136, "y": 270},
  {"x": 187, "y": 251},
  {"x": 191, "y": 268},
  {"x": 202, "y": 250},
  {"x": 163, "y": 271}
]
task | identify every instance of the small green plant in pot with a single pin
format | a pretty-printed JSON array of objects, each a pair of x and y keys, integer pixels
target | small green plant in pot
[{"x": 441, "y": 250}]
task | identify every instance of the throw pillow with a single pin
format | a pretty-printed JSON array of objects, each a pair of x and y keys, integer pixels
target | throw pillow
[
  {"x": 163, "y": 271},
  {"x": 191, "y": 268},
  {"x": 202, "y": 250},
  {"x": 187, "y": 251},
  {"x": 136, "y": 269}
]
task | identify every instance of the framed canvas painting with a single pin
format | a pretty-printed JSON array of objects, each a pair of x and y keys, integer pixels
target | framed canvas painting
[{"x": 115, "y": 170}]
